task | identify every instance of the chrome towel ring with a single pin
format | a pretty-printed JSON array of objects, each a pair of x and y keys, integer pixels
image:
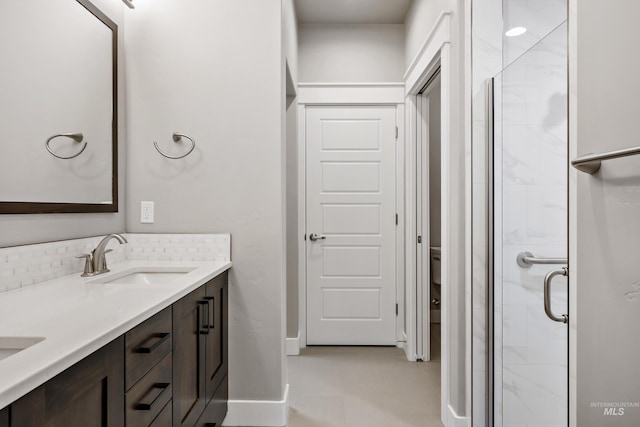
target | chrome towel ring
[
  {"x": 176, "y": 138},
  {"x": 77, "y": 137}
]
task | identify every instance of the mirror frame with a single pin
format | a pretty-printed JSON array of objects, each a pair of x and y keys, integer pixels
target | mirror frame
[{"x": 47, "y": 207}]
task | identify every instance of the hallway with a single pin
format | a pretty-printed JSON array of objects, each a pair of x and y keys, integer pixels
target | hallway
[{"x": 362, "y": 386}]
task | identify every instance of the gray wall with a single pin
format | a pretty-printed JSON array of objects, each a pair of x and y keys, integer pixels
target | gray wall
[
  {"x": 216, "y": 71},
  {"x": 293, "y": 238},
  {"x": 290, "y": 51},
  {"x": 605, "y": 218},
  {"x": 24, "y": 229},
  {"x": 351, "y": 53}
]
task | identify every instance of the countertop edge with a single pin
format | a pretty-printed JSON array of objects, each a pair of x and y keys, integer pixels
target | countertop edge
[{"x": 13, "y": 392}]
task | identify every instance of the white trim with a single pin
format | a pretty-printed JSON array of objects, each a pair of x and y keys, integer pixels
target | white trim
[
  {"x": 439, "y": 35},
  {"x": 454, "y": 420},
  {"x": 436, "y": 49},
  {"x": 427, "y": 43},
  {"x": 402, "y": 343},
  {"x": 350, "y": 93},
  {"x": 446, "y": 215},
  {"x": 258, "y": 413},
  {"x": 422, "y": 228},
  {"x": 401, "y": 286},
  {"x": 468, "y": 128},
  {"x": 342, "y": 93},
  {"x": 293, "y": 346},
  {"x": 411, "y": 228},
  {"x": 302, "y": 227}
]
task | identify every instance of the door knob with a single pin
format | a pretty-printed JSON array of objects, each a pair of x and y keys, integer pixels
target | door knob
[{"x": 313, "y": 237}]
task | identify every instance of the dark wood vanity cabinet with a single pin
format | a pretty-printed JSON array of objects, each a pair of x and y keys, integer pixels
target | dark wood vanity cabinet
[
  {"x": 4, "y": 417},
  {"x": 189, "y": 358},
  {"x": 171, "y": 370},
  {"x": 90, "y": 393},
  {"x": 148, "y": 371},
  {"x": 217, "y": 337},
  {"x": 200, "y": 355}
]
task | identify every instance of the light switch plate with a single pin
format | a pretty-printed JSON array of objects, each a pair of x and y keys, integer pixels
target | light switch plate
[{"x": 146, "y": 212}]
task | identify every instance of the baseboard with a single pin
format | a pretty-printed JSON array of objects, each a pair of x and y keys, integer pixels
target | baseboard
[
  {"x": 258, "y": 413},
  {"x": 454, "y": 420},
  {"x": 404, "y": 345},
  {"x": 293, "y": 346}
]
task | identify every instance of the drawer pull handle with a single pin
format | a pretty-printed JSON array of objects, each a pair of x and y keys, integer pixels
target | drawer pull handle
[
  {"x": 204, "y": 317},
  {"x": 151, "y": 396},
  {"x": 158, "y": 339},
  {"x": 212, "y": 320}
]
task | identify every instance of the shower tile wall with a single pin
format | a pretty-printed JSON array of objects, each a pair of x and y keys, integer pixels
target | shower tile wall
[
  {"x": 534, "y": 213},
  {"x": 531, "y": 215},
  {"x": 539, "y": 17}
]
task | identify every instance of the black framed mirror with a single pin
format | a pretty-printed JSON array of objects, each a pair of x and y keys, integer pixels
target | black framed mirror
[{"x": 58, "y": 108}]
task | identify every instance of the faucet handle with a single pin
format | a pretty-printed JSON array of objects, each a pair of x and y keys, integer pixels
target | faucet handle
[
  {"x": 103, "y": 265},
  {"x": 88, "y": 267}
]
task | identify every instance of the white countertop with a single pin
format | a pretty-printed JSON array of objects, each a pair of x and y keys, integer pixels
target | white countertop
[{"x": 77, "y": 317}]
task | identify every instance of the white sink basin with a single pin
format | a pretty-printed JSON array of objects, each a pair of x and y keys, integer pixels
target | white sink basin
[
  {"x": 144, "y": 276},
  {"x": 12, "y": 345}
]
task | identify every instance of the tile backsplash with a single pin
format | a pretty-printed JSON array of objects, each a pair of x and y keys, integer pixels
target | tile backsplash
[{"x": 27, "y": 265}]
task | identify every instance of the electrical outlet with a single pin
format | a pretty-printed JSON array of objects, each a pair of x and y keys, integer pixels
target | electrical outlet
[{"x": 146, "y": 212}]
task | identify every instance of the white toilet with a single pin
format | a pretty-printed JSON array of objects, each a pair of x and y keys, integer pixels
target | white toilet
[{"x": 435, "y": 284}]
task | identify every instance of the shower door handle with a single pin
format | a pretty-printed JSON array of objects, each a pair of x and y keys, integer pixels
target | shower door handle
[{"x": 564, "y": 271}]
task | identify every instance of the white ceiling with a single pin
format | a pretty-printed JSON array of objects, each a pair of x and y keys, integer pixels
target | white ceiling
[{"x": 352, "y": 11}]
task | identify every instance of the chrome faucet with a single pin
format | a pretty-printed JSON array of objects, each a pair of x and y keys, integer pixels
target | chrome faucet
[{"x": 96, "y": 262}]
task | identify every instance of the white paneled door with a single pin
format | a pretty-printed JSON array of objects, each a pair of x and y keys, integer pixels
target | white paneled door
[{"x": 351, "y": 225}]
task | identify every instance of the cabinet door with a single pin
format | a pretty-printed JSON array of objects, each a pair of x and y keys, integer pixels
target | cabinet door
[
  {"x": 4, "y": 417},
  {"x": 217, "y": 408},
  {"x": 90, "y": 393},
  {"x": 217, "y": 337},
  {"x": 188, "y": 358}
]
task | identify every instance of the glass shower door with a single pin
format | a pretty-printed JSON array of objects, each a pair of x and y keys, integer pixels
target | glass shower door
[{"x": 530, "y": 381}]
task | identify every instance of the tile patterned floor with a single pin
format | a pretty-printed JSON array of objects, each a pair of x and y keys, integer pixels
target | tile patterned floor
[{"x": 362, "y": 387}]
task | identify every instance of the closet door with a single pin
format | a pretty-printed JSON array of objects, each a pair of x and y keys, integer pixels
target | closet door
[{"x": 351, "y": 253}]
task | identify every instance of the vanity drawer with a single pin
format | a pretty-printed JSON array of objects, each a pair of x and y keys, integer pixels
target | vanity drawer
[
  {"x": 146, "y": 345},
  {"x": 149, "y": 397}
]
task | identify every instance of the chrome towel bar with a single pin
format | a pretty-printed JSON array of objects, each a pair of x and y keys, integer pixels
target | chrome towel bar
[
  {"x": 527, "y": 259},
  {"x": 590, "y": 163}
]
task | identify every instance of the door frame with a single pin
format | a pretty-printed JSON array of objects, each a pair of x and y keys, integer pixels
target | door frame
[
  {"x": 436, "y": 51},
  {"x": 350, "y": 94},
  {"x": 423, "y": 215}
]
